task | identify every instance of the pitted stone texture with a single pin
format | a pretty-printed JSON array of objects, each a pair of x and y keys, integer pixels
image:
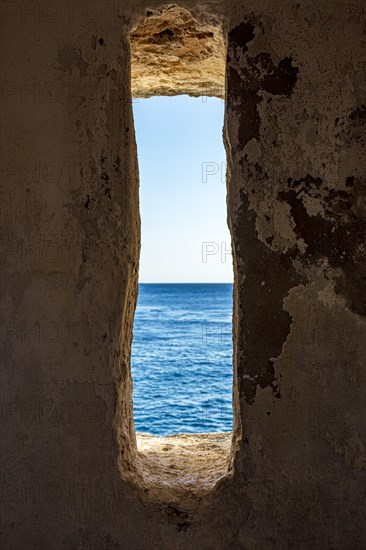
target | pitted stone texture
[
  {"x": 296, "y": 194},
  {"x": 173, "y": 53},
  {"x": 183, "y": 466}
]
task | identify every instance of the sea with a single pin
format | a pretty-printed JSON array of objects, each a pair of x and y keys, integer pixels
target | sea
[{"x": 182, "y": 358}]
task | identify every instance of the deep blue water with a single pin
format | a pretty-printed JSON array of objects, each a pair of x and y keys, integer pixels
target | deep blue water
[{"x": 182, "y": 358}]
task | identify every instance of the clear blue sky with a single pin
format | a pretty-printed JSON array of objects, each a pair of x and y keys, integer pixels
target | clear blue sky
[{"x": 182, "y": 159}]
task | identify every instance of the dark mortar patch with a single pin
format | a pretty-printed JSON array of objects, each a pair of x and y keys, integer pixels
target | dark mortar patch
[
  {"x": 175, "y": 516},
  {"x": 103, "y": 171},
  {"x": 246, "y": 82},
  {"x": 351, "y": 130},
  {"x": 263, "y": 325},
  {"x": 357, "y": 125},
  {"x": 281, "y": 80},
  {"x": 241, "y": 35},
  {"x": 117, "y": 163},
  {"x": 238, "y": 93},
  {"x": 69, "y": 57},
  {"x": 340, "y": 236}
]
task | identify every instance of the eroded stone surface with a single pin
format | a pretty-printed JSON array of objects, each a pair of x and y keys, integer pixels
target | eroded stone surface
[
  {"x": 173, "y": 53},
  {"x": 295, "y": 138},
  {"x": 184, "y": 466}
]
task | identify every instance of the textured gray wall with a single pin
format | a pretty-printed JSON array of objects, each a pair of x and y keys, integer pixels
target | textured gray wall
[{"x": 295, "y": 138}]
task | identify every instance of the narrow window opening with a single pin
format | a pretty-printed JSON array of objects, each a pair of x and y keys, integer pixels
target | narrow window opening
[{"x": 182, "y": 344}]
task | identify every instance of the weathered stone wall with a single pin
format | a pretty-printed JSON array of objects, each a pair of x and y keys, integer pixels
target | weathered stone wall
[{"x": 295, "y": 138}]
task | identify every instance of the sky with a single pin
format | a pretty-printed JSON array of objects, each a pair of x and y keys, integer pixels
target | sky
[{"x": 182, "y": 164}]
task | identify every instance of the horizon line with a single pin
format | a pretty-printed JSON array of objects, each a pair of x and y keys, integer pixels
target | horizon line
[{"x": 186, "y": 283}]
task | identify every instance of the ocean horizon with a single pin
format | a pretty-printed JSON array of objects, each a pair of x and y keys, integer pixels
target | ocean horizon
[{"x": 182, "y": 358}]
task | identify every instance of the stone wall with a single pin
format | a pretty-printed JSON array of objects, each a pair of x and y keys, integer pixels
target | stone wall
[{"x": 295, "y": 139}]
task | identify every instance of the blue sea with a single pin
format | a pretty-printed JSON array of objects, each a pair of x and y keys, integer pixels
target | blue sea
[{"x": 182, "y": 358}]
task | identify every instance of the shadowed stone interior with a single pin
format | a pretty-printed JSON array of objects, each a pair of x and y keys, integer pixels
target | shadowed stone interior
[{"x": 295, "y": 141}]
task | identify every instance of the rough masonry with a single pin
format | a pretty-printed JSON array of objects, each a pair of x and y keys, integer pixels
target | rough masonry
[{"x": 295, "y": 140}]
